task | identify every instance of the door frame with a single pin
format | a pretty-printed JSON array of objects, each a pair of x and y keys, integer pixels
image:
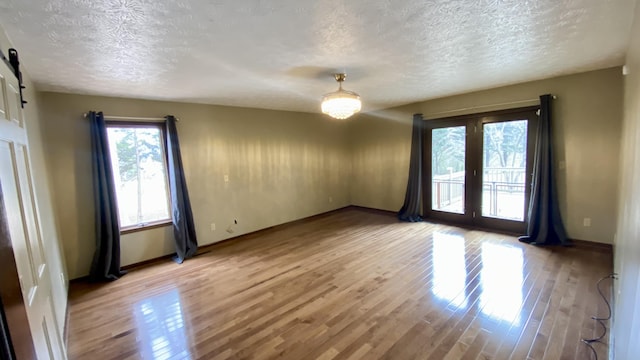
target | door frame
[{"x": 473, "y": 162}]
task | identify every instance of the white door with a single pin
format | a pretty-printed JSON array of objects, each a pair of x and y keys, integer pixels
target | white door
[{"x": 23, "y": 221}]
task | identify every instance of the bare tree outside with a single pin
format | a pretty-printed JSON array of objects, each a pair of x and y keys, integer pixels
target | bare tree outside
[
  {"x": 504, "y": 169},
  {"x": 138, "y": 162},
  {"x": 504, "y": 157},
  {"x": 448, "y": 153}
]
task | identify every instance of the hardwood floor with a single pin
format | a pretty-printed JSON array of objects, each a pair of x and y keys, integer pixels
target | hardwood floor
[{"x": 351, "y": 284}]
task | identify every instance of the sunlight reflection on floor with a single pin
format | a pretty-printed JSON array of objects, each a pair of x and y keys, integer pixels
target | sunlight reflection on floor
[
  {"x": 501, "y": 277},
  {"x": 161, "y": 327},
  {"x": 502, "y": 268},
  {"x": 449, "y": 268}
]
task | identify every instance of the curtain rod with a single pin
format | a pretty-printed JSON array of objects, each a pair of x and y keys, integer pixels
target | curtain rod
[
  {"x": 131, "y": 118},
  {"x": 486, "y": 106}
]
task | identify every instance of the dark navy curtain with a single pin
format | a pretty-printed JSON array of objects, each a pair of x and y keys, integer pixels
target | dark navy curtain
[
  {"x": 184, "y": 229},
  {"x": 544, "y": 223},
  {"x": 411, "y": 209},
  {"x": 106, "y": 259}
]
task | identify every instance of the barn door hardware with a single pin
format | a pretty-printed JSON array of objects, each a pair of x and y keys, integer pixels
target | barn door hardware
[{"x": 15, "y": 64}]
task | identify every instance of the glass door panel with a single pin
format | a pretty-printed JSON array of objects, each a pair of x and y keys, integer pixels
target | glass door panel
[
  {"x": 448, "y": 153},
  {"x": 504, "y": 169}
]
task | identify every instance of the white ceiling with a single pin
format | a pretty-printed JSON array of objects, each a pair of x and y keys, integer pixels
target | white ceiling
[{"x": 280, "y": 54}]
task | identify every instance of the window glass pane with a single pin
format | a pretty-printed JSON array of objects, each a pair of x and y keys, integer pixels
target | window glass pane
[
  {"x": 447, "y": 168},
  {"x": 139, "y": 169},
  {"x": 504, "y": 155}
]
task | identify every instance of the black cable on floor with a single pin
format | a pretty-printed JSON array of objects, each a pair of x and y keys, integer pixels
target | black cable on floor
[
  {"x": 595, "y": 354},
  {"x": 599, "y": 319}
]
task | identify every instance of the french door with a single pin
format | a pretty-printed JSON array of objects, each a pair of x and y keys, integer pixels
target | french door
[{"x": 478, "y": 169}]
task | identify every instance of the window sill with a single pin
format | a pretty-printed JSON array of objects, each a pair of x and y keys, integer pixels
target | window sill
[{"x": 145, "y": 226}]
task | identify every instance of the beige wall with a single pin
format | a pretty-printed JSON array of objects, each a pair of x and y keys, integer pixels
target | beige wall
[
  {"x": 586, "y": 123},
  {"x": 626, "y": 314},
  {"x": 282, "y": 166},
  {"x": 44, "y": 204}
]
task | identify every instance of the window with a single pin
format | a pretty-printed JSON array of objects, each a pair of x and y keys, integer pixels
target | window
[{"x": 140, "y": 172}]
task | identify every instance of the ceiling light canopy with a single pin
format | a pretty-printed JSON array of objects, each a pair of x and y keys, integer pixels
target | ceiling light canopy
[{"x": 342, "y": 103}]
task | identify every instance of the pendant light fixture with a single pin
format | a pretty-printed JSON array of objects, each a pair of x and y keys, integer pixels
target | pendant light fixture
[{"x": 342, "y": 103}]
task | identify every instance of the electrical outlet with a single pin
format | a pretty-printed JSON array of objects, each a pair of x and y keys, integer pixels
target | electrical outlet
[
  {"x": 586, "y": 222},
  {"x": 213, "y": 226},
  {"x": 226, "y": 178},
  {"x": 330, "y": 199}
]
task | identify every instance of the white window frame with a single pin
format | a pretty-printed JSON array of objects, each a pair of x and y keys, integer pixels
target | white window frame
[{"x": 163, "y": 140}]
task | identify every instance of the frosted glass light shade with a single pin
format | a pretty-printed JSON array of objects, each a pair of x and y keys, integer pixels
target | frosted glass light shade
[{"x": 341, "y": 104}]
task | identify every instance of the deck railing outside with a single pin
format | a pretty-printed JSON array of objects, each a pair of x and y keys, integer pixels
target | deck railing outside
[{"x": 503, "y": 192}]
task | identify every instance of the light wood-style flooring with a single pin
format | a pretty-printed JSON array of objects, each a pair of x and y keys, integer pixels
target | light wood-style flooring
[{"x": 350, "y": 284}]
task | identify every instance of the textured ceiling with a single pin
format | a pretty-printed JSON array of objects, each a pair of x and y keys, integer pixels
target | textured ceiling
[{"x": 280, "y": 54}]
